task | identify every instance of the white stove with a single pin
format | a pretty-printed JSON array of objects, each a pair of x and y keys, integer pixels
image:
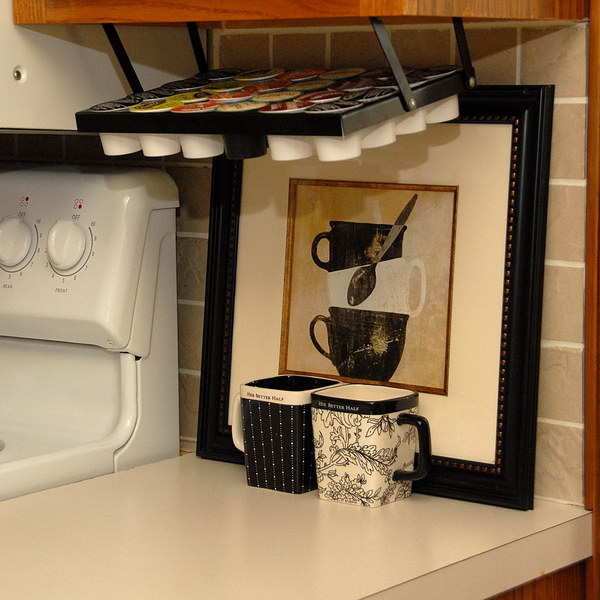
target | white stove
[{"x": 88, "y": 347}]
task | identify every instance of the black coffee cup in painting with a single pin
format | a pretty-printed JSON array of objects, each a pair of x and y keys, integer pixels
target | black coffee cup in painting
[
  {"x": 354, "y": 244},
  {"x": 363, "y": 344}
]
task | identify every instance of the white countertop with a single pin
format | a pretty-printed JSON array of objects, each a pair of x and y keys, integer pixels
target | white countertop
[{"x": 192, "y": 528}]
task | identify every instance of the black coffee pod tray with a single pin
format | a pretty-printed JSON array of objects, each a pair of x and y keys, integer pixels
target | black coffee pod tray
[{"x": 257, "y": 124}]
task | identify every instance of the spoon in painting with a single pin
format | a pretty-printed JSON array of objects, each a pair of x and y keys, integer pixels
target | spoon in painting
[{"x": 364, "y": 279}]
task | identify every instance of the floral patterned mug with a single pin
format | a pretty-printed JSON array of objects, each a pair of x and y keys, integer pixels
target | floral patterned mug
[{"x": 365, "y": 439}]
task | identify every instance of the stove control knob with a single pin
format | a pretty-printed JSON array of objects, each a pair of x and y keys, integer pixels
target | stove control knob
[
  {"x": 16, "y": 238},
  {"x": 66, "y": 244}
]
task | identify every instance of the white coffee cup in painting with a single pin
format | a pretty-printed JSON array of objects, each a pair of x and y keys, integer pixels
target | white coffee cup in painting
[{"x": 401, "y": 287}]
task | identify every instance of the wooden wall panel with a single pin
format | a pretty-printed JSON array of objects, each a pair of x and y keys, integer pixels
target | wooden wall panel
[{"x": 568, "y": 584}]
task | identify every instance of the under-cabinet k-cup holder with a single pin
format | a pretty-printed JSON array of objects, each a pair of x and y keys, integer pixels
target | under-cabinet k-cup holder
[
  {"x": 365, "y": 439},
  {"x": 272, "y": 426}
]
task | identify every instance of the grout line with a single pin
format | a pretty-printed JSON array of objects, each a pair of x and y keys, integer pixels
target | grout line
[
  {"x": 571, "y": 100},
  {"x": 573, "y": 264},
  {"x": 560, "y": 344},
  {"x": 190, "y": 302},
  {"x": 519, "y": 56},
  {"x": 192, "y": 234},
  {"x": 569, "y": 424},
  {"x": 558, "y": 500},
  {"x": 192, "y": 372},
  {"x": 570, "y": 182}
]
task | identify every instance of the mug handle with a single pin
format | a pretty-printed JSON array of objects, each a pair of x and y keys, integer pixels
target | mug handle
[
  {"x": 418, "y": 264},
  {"x": 313, "y": 338},
  {"x": 237, "y": 429},
  {"x": 313, "y": 250},
  {"x": 424, "y": 437}
]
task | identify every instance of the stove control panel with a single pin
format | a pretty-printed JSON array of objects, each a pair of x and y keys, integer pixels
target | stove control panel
[{"x": 72, "y": 248}]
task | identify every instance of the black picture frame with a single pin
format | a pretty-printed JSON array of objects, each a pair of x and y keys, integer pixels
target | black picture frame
[{"x": 508, "y": 481}]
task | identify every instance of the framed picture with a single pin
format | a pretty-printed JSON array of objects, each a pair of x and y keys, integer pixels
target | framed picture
[
  {"x": 367, "y": 289},
  {"x": 487, "y": 175}
]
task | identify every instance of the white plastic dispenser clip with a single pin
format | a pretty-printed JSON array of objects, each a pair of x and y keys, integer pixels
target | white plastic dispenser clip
[
  {"x": 332, "y": 148},
  {"x": 117, "y": 144},
  {"x": 201, "y": 146},
  {"x": 285, "y": 147},
  {"x": 443, "y": 110},
  {"x": 159, "y": 144}
]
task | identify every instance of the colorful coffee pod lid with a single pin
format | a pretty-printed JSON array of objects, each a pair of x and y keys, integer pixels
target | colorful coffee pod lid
[
  {"x": 365, "y": 399},
  {"x": 189, "y": 97},
  {"x": 346, "y": 73},
  {"x": 155, "y": 107},
  {"x": 323, "y": 96},
  {"x": 283, "y": 96},
  {"x": 115, "y": 105},
  {"x": 264, "y": 87},
  {"x": 196, "y": 107},
  {"x": 302, "y": 74},
  {"x": 221, "y": 74},
  {"x": 184, "y": 85},
  {"x": 238, "y": 96},
  {"x": 216, "y": 87},
  {"x": 377, "y": 94},
  {"x": 381, "y": 73},
  {"x": 151, "y": 95},
  {"x": 354, "y": 85},
  {"x": 313, "y": 85},
  {"x": 241, "y": 106},
  {"x": 258, "y": 74},
  {"x": 285, "y": 107},
  {"x": 333, "y": 107}
]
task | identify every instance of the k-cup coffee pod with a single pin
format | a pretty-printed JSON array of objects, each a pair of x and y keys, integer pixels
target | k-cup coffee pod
[
  {"x": 410, "y": 122},
  {"x": 156, "y": 106},
  {"x": 184, "y": 85},
  {"x": 381, "y": 73},
  {"x": 437, "y": 71},
  {"x": 218, "y": 87},
  {"x": 187, "y": 97},
  {"x": 241, "y": 106},
  {"x": 151, "y": 95},
  {"x": 346, "y": 73},
  {"x": 258, "y": 74},
  {"x": 378, "y": 135},
  {"x": 301, "y": 74},
  {"x": 442, "y": 110},
  {"x": 333, "y": 107},
  {"x": 354, "y": 96},
  {"x": 285, "y": 107},
  {"x": 375, "y": 94},
  {"x": 222, "y": 74},
  {"x": 196, "y": 107},
  {"x": 117, "y": 144},
  {"x": 238, "y": 96},
  {"x": 266, "y": 87},
  {"x": 332, "y": 148},
  {"x": 321, "y": 97},
  {"x": 285, "y": 147},
  {"x": 159, "y": 144},
  {"x": 354, "y": 85},
  {"x": 283, "y": 96},
  {"x": 115, "y": 105},
  {"x": 313, "y": 85},
  {"x": 201, "y": 145}
]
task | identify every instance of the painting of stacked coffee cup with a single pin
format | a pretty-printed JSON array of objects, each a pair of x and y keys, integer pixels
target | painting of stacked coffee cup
[{"x": 368, "y": 282}]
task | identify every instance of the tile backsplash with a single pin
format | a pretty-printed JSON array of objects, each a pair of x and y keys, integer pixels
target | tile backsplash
[{"x": 503, "y": 54}]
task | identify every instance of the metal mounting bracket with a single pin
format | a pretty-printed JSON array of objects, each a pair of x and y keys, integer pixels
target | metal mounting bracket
[{"x": 126, "y": 65}]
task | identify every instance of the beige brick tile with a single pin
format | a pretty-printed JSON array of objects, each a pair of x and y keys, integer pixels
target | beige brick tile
[
  {"x": 422, "y": 47},
  {"x": 189, "y": 335},
  {"x": 561, "y": 384},
  {"x": 568, "y": 142},
  {"x": 494, "y": 54},
  {"x": 355, "y": 49},
  {"x": 555, "y": 55},
  {"x": 562, "y": 316},
  {"x": 193, "y": 184},
  {"x": 191, "y": 268},
  {"x": 565, "y": 237},
  {"x": 292, "y": 51},
  {"x": 189, "y": 391},
  {"x": 559, "y": 463},
  {"x": 244, "y": 51}
]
